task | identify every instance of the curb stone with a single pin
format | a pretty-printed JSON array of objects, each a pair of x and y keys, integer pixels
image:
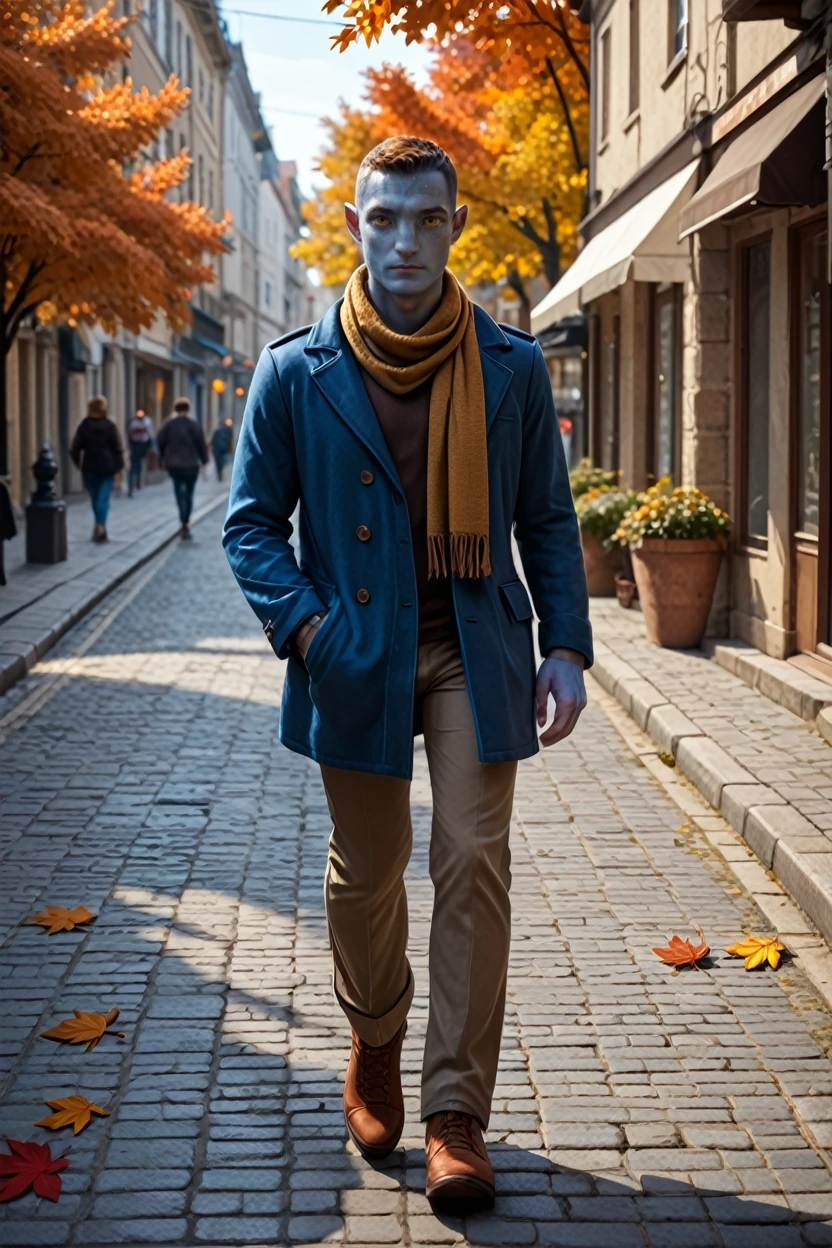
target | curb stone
[{"x": 786, "y": 843}]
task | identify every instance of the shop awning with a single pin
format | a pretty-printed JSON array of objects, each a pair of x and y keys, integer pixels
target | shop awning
[
  {"x": 776, "y": 162},
  {"x": 643, "y": 243}
]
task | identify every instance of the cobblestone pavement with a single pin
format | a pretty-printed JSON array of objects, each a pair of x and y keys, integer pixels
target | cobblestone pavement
[
  {"x": 636, "y": 1108},
  {"x": 779, "y": 749}
]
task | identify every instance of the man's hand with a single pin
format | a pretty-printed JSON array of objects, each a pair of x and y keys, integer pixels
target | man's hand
[
  {"x": 305, "y": 633},
  {"x": 562, "y": 675}
]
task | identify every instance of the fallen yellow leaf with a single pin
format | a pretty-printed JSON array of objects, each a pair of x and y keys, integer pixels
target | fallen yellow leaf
[
  {"x": 72, "y": 1111},
  {"x": 756, "y": 950},
  {"x": 59, "y": 919},
  {"x": 84, "y": 1026}
]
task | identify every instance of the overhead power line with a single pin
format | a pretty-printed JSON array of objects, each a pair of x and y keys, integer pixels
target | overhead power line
[{"x": 282, "y": 17}]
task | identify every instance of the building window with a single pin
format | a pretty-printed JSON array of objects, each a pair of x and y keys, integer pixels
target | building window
[
  {"x": 755, "y": 344},
  {"x": 678, "y": 27},
  {"x": 189, "y": 66},
  {"x": 667, "y": 382},
  {"x": 179, "y": 51},
  {"x": 810, "y": 390},
  {"x": 201, "y": 77},
  {"x": 211, "y": 189},
  {"x": 633, "y": 97},
  {"x": 211, "y": 99},
  {"x": 201, "y": 178},
  {"x": 606, "y": 67},
  {"x": 267, "y": 294}
]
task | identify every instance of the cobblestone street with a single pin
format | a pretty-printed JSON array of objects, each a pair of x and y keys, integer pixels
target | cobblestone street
[{"x": 636, "y": 1107}]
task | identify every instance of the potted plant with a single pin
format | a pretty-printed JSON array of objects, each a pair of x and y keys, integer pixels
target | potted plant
[
  {"x": 677, "y": 539},
  {"x": 585, "y": 477},
  {"x": 600, "y": 511}
]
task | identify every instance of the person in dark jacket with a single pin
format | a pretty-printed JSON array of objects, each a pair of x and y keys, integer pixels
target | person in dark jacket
[
  {"x": 96, "y": 449},
  {"x": 221, "y": 444},
  {"x": 182, "y": 452}
]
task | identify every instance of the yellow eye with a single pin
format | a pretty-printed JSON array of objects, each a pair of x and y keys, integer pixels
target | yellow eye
[{"x": 432, "y": 221}]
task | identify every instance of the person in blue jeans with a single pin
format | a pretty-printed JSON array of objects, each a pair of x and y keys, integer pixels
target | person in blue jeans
[
  {"x": 96, "y": 449},
  {"x": 182, "y": 452}
]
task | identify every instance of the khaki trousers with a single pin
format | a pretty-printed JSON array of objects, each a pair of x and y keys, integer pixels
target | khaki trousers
[{"x": 469, "y": 865}]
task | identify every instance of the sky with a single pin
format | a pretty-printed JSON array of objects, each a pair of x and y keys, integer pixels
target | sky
[{"x": 299, "y": 79}]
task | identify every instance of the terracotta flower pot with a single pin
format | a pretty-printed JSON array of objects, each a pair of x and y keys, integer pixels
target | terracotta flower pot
[
  {"x": 601, "y": 566},
  {"x": 676, "y": 579}
]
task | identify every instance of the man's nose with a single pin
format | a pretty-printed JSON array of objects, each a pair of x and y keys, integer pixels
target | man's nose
[{"x": 406, "y": 243}]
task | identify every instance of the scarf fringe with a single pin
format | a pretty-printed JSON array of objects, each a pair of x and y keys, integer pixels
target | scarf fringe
[{"x": 470, "y": 554}]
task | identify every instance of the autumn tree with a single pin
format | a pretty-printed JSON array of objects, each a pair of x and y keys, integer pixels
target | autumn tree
[
  {"x": 89, "y": 232},
  {"x": 548, "y": 35},
  {"x": 501, "y": 123}
]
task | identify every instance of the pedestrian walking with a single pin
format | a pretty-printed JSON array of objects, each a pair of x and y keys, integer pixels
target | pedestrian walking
[
  {"x": 416, "y": 434},
  {"x": 96, "y": 449},
  {"x": 222, "y": 441},
  {"x": 182, "y": 452},
  {"x": 139, "y": 441}
]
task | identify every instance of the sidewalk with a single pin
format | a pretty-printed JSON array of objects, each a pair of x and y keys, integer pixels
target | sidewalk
[
  {"x": 765, "y": 768},
  {"x": 40, "y": 602}
]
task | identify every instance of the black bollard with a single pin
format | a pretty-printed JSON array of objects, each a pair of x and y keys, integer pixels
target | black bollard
[{"x": 46, "y": 513}]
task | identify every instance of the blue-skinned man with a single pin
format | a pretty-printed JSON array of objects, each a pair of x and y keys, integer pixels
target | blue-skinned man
[{"x": 416, "y": 435}]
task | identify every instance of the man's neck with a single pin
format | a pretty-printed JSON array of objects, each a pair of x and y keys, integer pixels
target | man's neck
[{"x": 405, "y": 314}]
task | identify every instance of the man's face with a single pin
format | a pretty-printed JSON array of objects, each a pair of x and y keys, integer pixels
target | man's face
[{"x": 405, "y": 224}]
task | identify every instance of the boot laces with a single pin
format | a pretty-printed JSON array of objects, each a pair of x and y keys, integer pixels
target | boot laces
[
  {"x": 374, "y": 1072},
  {"x": 456, "y": 1130}
]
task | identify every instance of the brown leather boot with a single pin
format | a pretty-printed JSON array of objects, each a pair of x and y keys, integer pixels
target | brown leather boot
[
  {"x": 373, "y": 1101},
  {"x": 459, "y": 1174}
]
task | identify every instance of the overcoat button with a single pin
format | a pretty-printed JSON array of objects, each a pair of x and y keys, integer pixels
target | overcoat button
[
  {"x": 367, "y": 477},
  {"x": 363, "y": 533},
  {"x": 363, "y": 596}
]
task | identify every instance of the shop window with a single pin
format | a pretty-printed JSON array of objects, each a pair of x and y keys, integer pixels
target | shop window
[
  {"x": 755, "y": 344},
  {"x": 667, "y": 382},
  {"x": 812, "y": 292},
  {"x": 610, "y": 411}
]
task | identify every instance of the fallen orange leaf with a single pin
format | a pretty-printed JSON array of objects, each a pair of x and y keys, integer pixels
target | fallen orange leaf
[
  {"x": 30, "y": 1165},
  {"x": 682, "y": 953},
  {"x": 59, "y": 919},
  {"x": 83, "y": 1027},
  {"x": 72, "y": 1111},
  {"x": 756, "y": 950}
]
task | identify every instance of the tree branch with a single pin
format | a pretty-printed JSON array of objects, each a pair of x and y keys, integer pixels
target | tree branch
[
  {"x": 560, "y": 31},
  {"x": 567, "y": 113},
  {"x": 13, "y": 312}
]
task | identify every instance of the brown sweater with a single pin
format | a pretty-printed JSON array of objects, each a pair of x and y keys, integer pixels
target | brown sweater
[{"x": 404, "y": 422}]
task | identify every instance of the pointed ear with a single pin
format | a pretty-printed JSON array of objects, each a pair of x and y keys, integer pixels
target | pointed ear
[
  {"x": 351, "y": 217},
  {"x": 458, "y": 223}
]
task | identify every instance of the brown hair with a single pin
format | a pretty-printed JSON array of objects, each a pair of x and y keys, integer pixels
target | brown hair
[
  {"x": 406, "y": 154},
  {"x": 97, "y": 406},
  {"x": 182, "y": 405}
]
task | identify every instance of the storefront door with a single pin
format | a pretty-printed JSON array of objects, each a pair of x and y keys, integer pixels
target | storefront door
[{"x": 812, "y": 443}]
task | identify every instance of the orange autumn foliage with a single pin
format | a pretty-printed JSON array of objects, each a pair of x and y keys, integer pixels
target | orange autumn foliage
[{"x": 87, "y": 232}]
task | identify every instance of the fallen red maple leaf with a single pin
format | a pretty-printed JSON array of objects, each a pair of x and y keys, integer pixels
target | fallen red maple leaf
[
  {"x": 682, "y": 953},
  {"x": 30, "y": 1165}
]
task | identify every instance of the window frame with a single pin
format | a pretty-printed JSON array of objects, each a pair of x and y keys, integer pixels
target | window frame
[
  {"x": 605, "y": 104},
  {"x": 746, "y": 541},
  {"x": 674, "y": 54},
  {"x": 634, "y": 83},
  {"x": 672, "y": 293}
]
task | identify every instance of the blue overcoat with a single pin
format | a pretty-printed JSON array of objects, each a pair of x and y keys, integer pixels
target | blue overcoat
[{"x": 310, "y": 436}]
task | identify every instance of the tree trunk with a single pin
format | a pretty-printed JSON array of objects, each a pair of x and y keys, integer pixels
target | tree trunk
[{"x": 515, "y": 281}]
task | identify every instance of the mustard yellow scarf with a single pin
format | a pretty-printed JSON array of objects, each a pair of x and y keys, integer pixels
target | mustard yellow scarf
[{"x": 445, "y": 348}]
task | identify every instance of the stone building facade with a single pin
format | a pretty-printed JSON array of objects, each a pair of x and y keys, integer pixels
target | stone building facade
[{"x": 703, "y": 281}]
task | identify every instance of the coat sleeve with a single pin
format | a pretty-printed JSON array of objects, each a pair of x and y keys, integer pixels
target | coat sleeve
[
  {"x": 264, "y": 494},
  {"x": 77, "y": 446},
  {"x": 117, "y": 448},
  {"x": 546, "y": 526},
  {"x": 161, "y": 442},
  {"x": 201, "y": 447}
]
